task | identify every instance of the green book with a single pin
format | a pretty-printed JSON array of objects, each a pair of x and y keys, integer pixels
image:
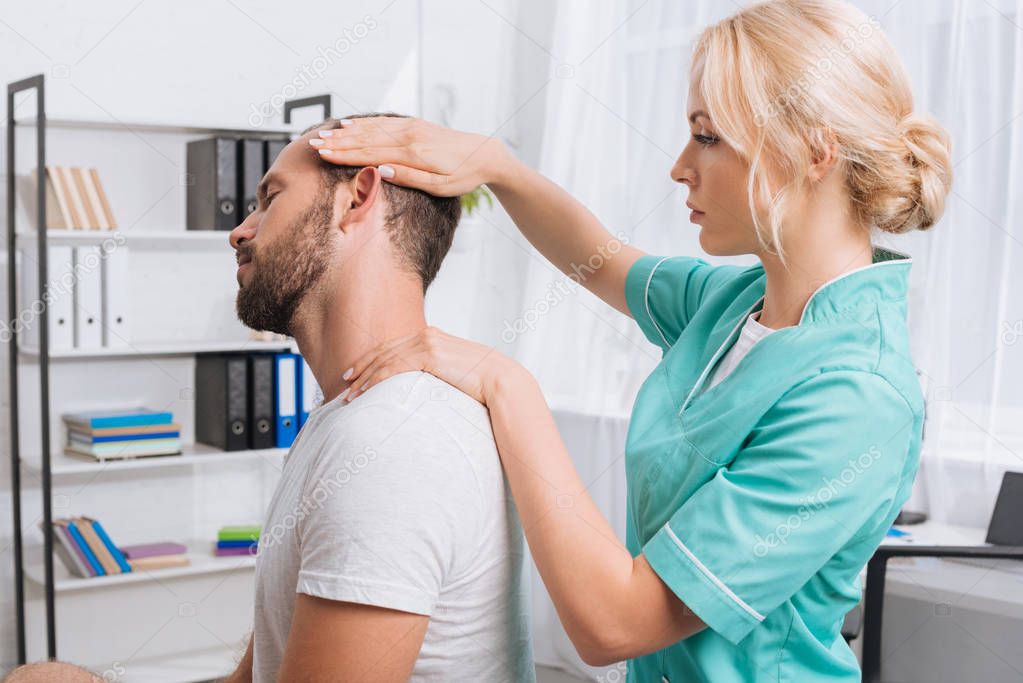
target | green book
[{"x": 238, "y": 533}]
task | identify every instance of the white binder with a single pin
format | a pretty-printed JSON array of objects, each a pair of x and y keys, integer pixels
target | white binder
[
  {"x": 88, "y": 297},
  {"x": 116, "y": 298},
  {"x": 311, "y": 396},
  {"x": 61, "y": 300}
]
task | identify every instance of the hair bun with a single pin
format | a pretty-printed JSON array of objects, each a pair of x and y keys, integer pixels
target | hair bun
[{"x": 918, "y": 189}]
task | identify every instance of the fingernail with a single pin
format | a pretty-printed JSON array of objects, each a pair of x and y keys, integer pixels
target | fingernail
[
  {"x": 348, "y": 373},
  {"x": 324, "y": 152},
  {"x": 326, "y": 133},
  {"x": 316, "y": 142},
  {"x": 344, "y": 394},
  {"x": 346, "y": 122},
  {"x": 386, "y": 171}
]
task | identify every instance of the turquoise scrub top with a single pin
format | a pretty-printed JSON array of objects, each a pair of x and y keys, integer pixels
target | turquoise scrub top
[{"x": 760, "y": 500}]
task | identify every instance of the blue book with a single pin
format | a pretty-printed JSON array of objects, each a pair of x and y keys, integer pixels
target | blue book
[
  {"x": 93, "y": 562},
  {"x": 117, "y": 554},
  {"x": 236, "y": 544},
  {"x": 131, "y": 417},
  {"x": 86, "y": 438}
]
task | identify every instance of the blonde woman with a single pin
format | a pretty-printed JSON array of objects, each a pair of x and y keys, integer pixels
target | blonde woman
[{"x": 773, "y": 445}]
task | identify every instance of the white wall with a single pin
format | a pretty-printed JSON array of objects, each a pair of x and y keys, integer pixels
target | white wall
[{"x": 227, "y": 63}]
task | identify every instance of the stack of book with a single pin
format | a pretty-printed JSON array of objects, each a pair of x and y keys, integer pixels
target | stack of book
[
  {"x": 120, "y": 434},
  {"x": 86, "y": 549},
  {"x": 237, "y": 540},
  {"x": 147, "y": 556},
  {"x": 76, "y": 200}
]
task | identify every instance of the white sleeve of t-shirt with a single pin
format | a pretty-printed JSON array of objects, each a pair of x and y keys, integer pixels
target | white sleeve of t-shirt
[{"x": 391, "y": 508}]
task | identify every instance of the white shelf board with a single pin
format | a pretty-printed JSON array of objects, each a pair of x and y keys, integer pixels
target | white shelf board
[
  {"x": 133, "y": 238},
  {"x": 193, "y": 666},
  {"x": 203, "y": 561},
  {"x": 176, "y": 348},
  {"x": 157, "y": 127},
  {"x": 191, "y": 454}
]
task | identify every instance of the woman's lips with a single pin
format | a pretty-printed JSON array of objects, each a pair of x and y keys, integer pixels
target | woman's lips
[{"x": 696, "y": 214}]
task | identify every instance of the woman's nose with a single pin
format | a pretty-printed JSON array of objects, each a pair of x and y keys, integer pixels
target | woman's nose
[{"x": 683, "y": 172}]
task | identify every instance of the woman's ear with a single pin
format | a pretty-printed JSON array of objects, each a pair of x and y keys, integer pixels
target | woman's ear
[
  {"x": 364, "y": 191},
  {"x": 824, "y": 156}
]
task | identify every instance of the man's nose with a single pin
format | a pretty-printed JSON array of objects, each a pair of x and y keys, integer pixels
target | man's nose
[{"x": 245, "y": 231}]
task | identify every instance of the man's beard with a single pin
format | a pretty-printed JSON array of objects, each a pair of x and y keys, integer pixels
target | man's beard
[{"x": 285, "y": 270}]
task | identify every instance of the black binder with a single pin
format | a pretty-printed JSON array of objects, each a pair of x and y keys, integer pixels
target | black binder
[
  {"x": 261, "y": 401},
  {"x": 273, "y": 148},
  {"x": 253, "y": 166},
  {"x": 221, "y": 401},
  {"x": 212, "y": 194}
]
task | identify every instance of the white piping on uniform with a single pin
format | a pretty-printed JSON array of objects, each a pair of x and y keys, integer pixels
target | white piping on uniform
[
  {"x": 710, "y": 575},
  {"x": 714, "y": 358},
  {"x": 904, "y": 260},
  {"x": 646, "y": 299}
]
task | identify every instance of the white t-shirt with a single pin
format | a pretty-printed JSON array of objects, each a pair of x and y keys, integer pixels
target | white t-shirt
[
  {"x": 398, "y": 500},
  {"x": 752, "y": 332}
]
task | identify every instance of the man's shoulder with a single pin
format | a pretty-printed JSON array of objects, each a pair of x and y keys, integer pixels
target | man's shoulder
[
  {"x": 418, "y": 398},
  {"x": 411, "y": 416}
]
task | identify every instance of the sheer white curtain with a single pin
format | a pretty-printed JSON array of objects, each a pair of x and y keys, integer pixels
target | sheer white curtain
[
  {"x": 967, "y": 318},
  {"x": 615, "y": 122}
]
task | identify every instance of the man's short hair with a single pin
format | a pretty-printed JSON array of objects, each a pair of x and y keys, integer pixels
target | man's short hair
[{"x": 420, "y": 225}]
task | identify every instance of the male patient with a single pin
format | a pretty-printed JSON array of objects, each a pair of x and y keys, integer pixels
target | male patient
[{"x": 391, "y": 549}]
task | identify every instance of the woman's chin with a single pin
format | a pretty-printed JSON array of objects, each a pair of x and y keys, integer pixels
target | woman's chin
[
  {"x": 711, "y": 243},
  {"x": 717, "y": 244}
]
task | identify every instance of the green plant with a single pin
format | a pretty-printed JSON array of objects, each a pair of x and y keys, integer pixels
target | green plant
[{"x": 471, "y": 201}]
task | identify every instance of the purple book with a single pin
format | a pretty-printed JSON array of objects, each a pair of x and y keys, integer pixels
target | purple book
[
  {"x": 134, "y": 552},
  {"x": 78, "y": 550},
  {"x": 223, "y": 552}
]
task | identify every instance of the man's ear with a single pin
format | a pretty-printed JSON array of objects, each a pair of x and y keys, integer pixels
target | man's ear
[{"x": 365, "y": 189}]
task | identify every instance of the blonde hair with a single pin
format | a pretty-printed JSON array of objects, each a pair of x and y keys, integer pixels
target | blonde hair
[{"x": 785, "y": 78}]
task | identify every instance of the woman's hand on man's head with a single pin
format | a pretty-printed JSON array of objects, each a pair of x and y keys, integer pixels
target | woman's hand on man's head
[{"x": 415, "y": 153}]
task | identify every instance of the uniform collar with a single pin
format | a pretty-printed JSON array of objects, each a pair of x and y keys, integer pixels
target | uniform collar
[{"x": 886, "y": 279}]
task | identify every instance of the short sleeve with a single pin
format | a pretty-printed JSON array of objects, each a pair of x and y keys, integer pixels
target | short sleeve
[
  {"x": 389, "y": 506},
  {"x": 663, "y": 293},
  {"x": 823, "y": 465}
]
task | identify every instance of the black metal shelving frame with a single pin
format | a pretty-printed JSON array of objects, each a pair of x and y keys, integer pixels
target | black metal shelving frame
[
  {"x": 37, "y": 83},
  {"x": 32, "y": 83}
]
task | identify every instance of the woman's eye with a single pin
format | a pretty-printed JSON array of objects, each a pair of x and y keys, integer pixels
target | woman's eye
[
  {"x": 705, "y": 140},
  {"x": 270, "y": 197}
]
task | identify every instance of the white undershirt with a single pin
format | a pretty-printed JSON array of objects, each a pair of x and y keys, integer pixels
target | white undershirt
[{"x": 752, "y": 332}]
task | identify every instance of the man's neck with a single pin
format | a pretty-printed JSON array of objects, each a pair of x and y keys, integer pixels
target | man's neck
[{"x": 334, "y": 331}]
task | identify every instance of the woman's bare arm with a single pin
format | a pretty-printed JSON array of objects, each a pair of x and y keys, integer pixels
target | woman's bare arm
[
  {"x": 613, "y": 605},
  {"x": 564, "y": 230},
  {"x": 446, "y": 162}
]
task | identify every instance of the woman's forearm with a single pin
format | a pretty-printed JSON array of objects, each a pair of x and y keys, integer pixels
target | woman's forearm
[
  {"x": 612, "y": 605},
  {"x": 564, "y": 230}
]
